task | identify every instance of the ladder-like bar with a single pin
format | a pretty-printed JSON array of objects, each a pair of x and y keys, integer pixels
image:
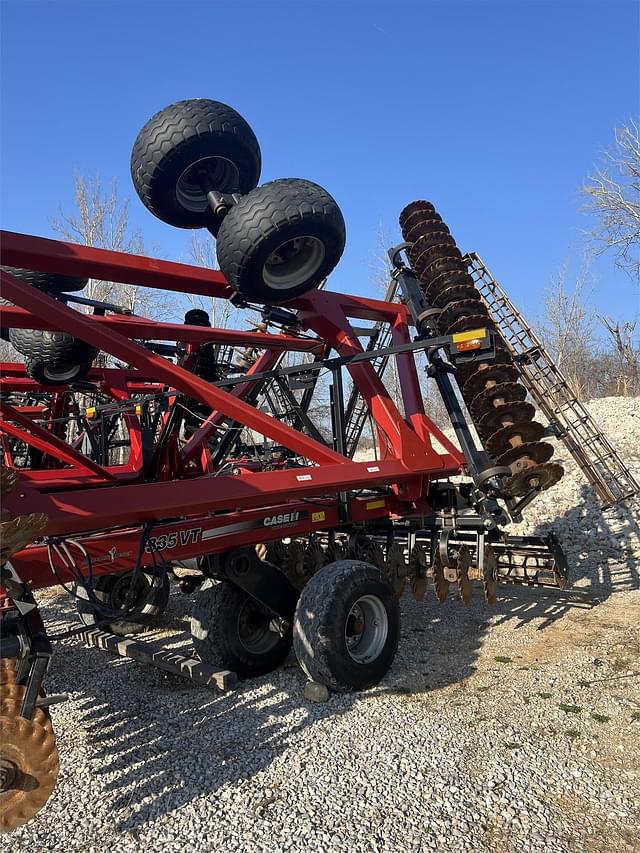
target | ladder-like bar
[{"x": 589, "y": 446}]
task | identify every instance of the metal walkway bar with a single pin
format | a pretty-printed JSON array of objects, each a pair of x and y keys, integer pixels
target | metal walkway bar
[
  {"x": 592, "y": 451},
  {"x": 151, "y": 653}
]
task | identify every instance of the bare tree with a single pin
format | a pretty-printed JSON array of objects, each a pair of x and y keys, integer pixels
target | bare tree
[
  {"x": 568, "y": 331},
  {"x": 101, "y": 219},
  {"x": 201, "y": 252},
  {"x": 621, "y": 362},
  {"x": 613, "y": 195}
]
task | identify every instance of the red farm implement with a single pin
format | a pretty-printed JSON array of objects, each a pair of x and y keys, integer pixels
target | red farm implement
[{"x": 131, "y": 447}]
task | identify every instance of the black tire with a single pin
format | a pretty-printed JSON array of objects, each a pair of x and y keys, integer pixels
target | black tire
[
  {"x": 53, "y": 357},
  {"x": 4, "y": 331},
  {"x": 300, "y": 220},
  {"x": 230, "y": 629},
  {"x": 48, "y": 281},
  {"x": 146, "y": 610},
  {"x": 183, "y": 138},
  {"x": 331, "y": 647},
  {"x": 62, "y": 374}
]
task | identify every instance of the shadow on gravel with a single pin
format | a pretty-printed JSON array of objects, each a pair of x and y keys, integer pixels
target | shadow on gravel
[
  {"x": 155, "y": 742},
  {"x": 601, "y": 549}
]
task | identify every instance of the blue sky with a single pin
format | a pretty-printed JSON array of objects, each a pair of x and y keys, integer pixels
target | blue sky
[{"x": 494, "y": 111}]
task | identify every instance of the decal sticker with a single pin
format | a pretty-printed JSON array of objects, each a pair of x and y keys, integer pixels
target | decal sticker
[
  {"x": 172, "y": 540},
  {"x": 375, "y": 504}
]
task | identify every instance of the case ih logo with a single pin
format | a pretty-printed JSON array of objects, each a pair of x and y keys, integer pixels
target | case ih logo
[{"x": 281, "y": 520}]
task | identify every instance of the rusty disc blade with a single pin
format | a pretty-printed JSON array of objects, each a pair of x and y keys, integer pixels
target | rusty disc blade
[
  {"x": 456, "y": 293},
  {"x": 314, "y": 558},
  {"x": 440, "y": 253},
  {"x": 464, "y": 308},
  {"x": 507, "y": 392},
  {"x": 12, "y": 706},
  {"x": 490, "y": 575},
  {"x": 440, "y": 583},
  {"x": 29, "y": 756},
  {"x": 8, "y": 480},
  {"x": 463, "y": 562},
  {"x": 512, "y": 413},
  {"x": 293, "y": 564},
  {"x": 472, "y": 321},
  {"x": 396, "y": 568},
  {"x": 419, "y": 207},
  {"x": 537, "y": 451},
  {"x": 334, "y": 553},
  {"x": 418, "y": 572},
  {"x": 444, "y": 280},
  {"x": 431, "y": 268},
  {"x": 368, "y": 551},
  {"x": 276, "y": 552},
  {"x": 20, "y": 531},
  {"x": 7, "y": 673},
  {"x": 467, "y": 369},
  {"x": 428, "y": 241},
  {"x": 540, "y": 477},
  {"x": 497, "y": 374},
  {"x": 521, "y": 433},
  {"x": 417, "y": 227}
]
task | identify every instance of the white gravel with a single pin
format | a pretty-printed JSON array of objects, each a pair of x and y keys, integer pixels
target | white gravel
[{"x": 514, "y": 728}]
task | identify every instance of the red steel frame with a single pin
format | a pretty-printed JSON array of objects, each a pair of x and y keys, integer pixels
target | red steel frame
[{"x": 192, "y": 512}]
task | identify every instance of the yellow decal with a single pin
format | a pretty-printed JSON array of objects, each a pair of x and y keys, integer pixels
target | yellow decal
[
  {"x": 317, "y": 516},
  {"x": 461, "y": 337},
  {"x": 375, "y": 504}
]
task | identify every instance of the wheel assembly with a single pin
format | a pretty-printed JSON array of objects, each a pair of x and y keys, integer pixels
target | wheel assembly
[
  {"x": 281, "y": 240},
  {"x": 232, "y": 630},
  {"x": 347, "y": 626},
  {"x": 52, "y": 283},
  {"x": 188, "y": 152},
  {"x": 53, "y": 358},
  {"x": 134, "y": 601}
]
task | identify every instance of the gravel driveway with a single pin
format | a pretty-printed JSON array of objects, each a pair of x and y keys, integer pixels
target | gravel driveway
[{"x": 515, "y": 728}]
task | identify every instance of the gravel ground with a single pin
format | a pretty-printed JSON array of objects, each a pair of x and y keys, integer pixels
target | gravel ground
[{"x": 514, "y": 728}]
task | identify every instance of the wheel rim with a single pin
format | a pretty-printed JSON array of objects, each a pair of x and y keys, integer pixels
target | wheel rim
[
  {"x": 255, "y": 629},
  {"x": 61, "y": 375},
  {"x": 120, "y": 591},
  {"x": 366, "y": 629},
  {"x": 293, "y": 262},
  {"x": 221, "y": 173}
]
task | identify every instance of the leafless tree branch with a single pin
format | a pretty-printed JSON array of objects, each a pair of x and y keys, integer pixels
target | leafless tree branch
[{"x": 612, "y": 194}]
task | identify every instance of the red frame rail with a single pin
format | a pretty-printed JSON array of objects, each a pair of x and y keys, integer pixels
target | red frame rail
[{"x": 104, "y": 506}]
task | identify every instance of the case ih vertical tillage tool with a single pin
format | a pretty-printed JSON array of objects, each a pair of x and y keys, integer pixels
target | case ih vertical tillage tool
[{"x": 184, "y": 441}]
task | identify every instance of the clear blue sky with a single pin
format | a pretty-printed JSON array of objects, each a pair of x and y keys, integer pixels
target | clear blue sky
[{"x": 496, "y": 111}]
